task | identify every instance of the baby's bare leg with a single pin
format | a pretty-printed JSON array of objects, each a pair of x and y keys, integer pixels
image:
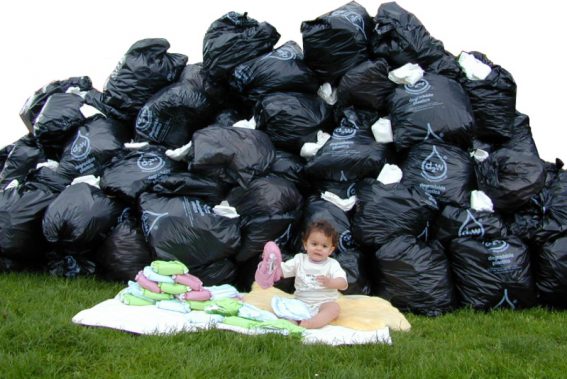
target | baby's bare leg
[{"x": 327, "y": 313}]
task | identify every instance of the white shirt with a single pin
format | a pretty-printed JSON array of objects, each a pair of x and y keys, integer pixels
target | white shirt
[{"x": 307, "y": 288}]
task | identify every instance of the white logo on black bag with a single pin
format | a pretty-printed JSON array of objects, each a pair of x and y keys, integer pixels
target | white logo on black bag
[
  {"x": 150, "y": 162},
  {"x": 81, "y": 147},
  {"x": 354, "y": 18},
  {"x": 418, "y": 88},
  {"x": 284, "y": 53},
  {"x": 344, "y": 133},
  {"x": 496, "y": 246},
  {"x": 471, "y": 227},
  {"x": 149, "y": 220},
  {"x": 434, "y": 166}
]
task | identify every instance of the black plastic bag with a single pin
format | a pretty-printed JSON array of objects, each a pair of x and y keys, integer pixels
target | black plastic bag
[
  {"x": 124, "y": 252},
  {"x": 280, "y": 70},
  {"x": 366, "y": 85},
  {"x": 493, "y": 101},
  {"x": 347, "y": 253},
  {"x": 78, "y": 218},
  {"x": 46, "y": 179},
  {"x": 522, "y": 139},
  {"x": 186, "y": 229},
  {"x": 24, "y": 156},
  {"x": 454, "y": 222},
  {"x": 130, "y": 175},
  {"x": 492, "y": 274},
  {"x": 172, "y": 115},
  {"x": 291, "y": 167},
  {"x": 4, "y": 152},
  {"x": 510, "y": 178},
  {"x": 446, "y": 172},
  {"x": 349, "y": 155},
  {"x": 219, "y": 272},
  {"x": 21, "y": 213},
  {"x": 415, "y": 276},
  {"x": 210, "y": 189},
  {"x": 337, "y": 41},
  {"x": 146, "y": 68},
  {"x": 401, "y": 38},
  {"x": 544, "y": 216},
  {"x": 233, "y": 39},
  {"x": 93, "y": 145},
  {"x": 551, "y": 273},
  {"x": 58, "y": 120},
  {"x": 434, "y": 108},
  {"x": 35, "y": 103},
  {"x": 385, "y": 211},
  {"x": 292, "y": 119},
  {"x": 243, "y": 153},
  {"x": 267, "y": 208}
]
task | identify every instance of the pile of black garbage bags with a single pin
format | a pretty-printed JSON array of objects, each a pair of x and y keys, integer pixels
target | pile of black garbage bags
[{"x": 205, "y": 162}]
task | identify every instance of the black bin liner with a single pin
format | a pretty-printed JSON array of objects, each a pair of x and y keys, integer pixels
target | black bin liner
[
  {"x": 21, "y": 214},
  {"x": 47, "y": 179},
  {"x": 79, "y": 218},
  {"x": 291, "y": 167},
  {"x": 415, "y": 276},
  {"x": 349, "y": 155},
  {"x": 58, "y": 120},
  {"x": 242, "y": 153},
  {"x": 492, "y": 274},
  {"x": 280, "y": 70},
  {"x": 267, "y": 208},
  {"x": 186, "y": 229},
  {"x": 219, "y": 272},
  {"x": 35, "y": 103},
  {"x": 510, "y": 178},
  {"x": 128, "y": 176},
  {"x": 366, "y": 85},
  {"x": 385, "y": 211},
  {"x": 172, "y": 115},
  {"x": 208, "y": 188},
  {"x": 24, "y": 156},
  {"x": 146, "y": 68},
  {"x": 434, "y": 108},
  {"x": 93, "y": 145},
  {"x": 455, "y": 222},
  {"x": 446, "y": 172},
  {"x": 401, "y": 38},
  {"x": 493, "y": 101},
  {"x": 233, "y": 39},
  {"x": 125, "y": 251},
  {"x": 337, "y": 41},
  {"x": 292, "y": 119},
  {"x": 521, "y": 139},
  {"x": 551, "y": 273}
]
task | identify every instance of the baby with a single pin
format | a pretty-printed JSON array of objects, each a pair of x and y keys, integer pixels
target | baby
[{"x": 317, "y": 277}]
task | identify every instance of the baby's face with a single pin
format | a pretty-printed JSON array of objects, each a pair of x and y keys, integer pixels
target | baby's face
[{"x": 318, "y": 246}]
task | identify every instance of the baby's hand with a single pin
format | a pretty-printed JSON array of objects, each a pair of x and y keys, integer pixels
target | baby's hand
[{"x": 323, "y": 280}]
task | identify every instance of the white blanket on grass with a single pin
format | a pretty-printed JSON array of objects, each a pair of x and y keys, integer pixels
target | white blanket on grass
[{"x": 152, "y": 320}]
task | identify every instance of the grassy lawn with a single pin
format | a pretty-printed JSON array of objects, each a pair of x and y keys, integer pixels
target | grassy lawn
[{"x": 38, "y": 339}]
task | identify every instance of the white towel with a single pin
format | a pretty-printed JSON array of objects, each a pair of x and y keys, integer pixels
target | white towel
[
  {"x": 473, "y": 68},
  {"x": 410, "y": 73},
  {"x": 390, "y": 174}
]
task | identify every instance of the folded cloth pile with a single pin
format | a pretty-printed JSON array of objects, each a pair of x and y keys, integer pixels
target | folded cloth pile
[{"x": 168, "y": 285}]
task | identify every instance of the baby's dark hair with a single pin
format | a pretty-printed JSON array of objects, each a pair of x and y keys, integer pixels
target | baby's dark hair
[{"x": 324, "y": 227}]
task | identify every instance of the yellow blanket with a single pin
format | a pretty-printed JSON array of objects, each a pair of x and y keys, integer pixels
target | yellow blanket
[{"x": 357, "y": 311}]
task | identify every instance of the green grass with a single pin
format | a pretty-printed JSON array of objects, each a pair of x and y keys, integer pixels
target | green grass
[{"x": 38, "y": 339}]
